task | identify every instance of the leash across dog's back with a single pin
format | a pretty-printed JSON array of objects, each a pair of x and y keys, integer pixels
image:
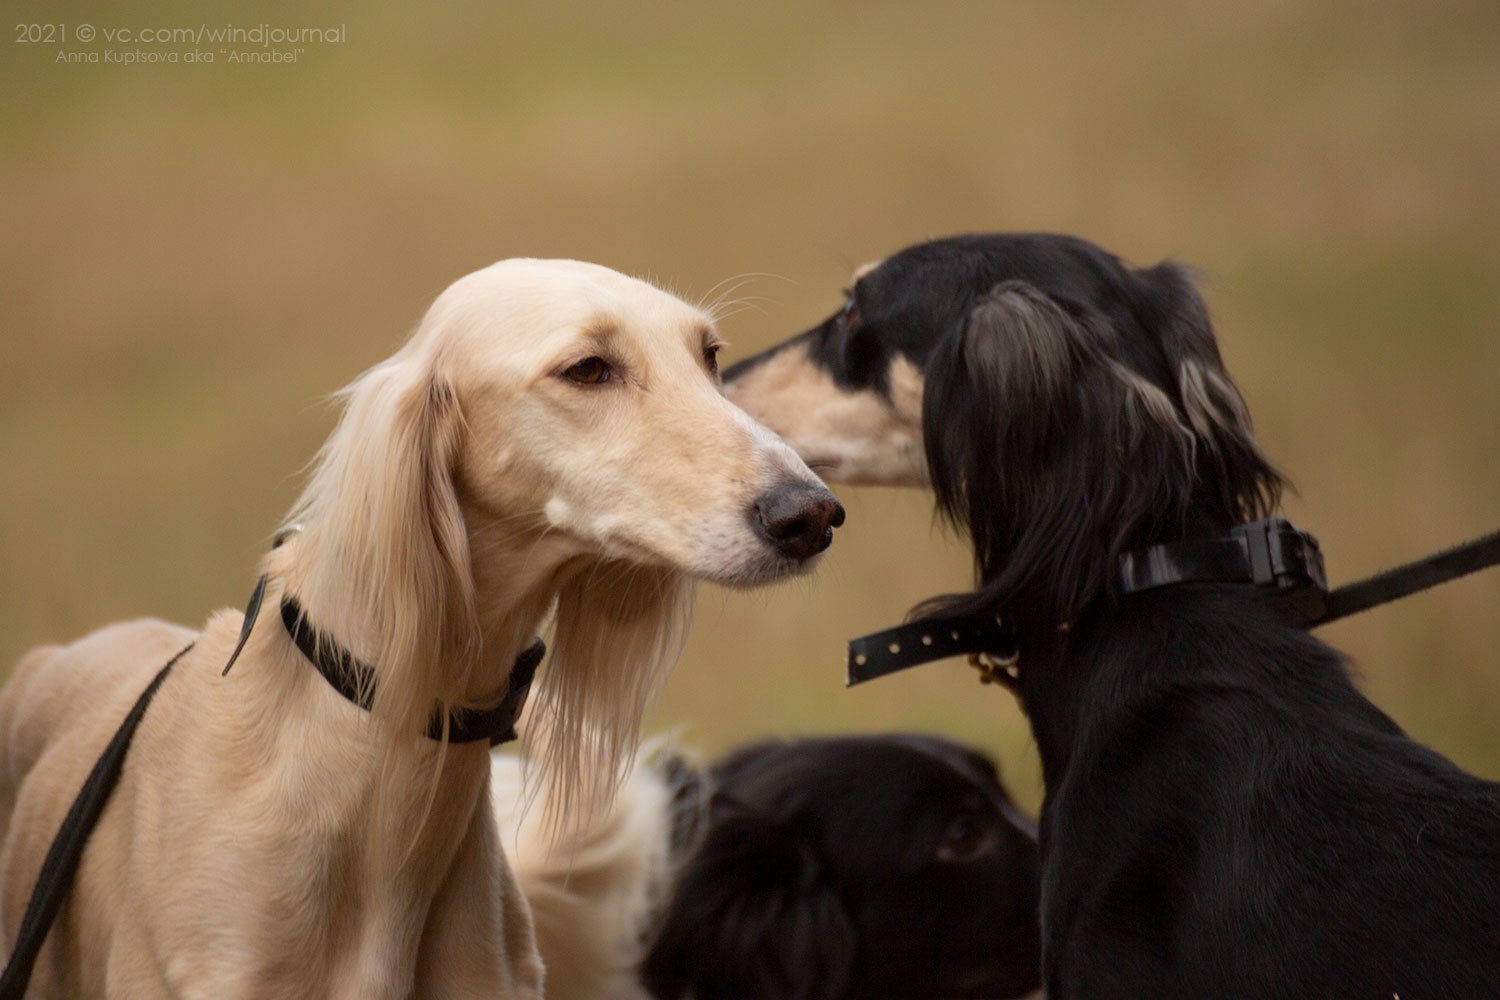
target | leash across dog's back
[{"x": 56, "y": 876}]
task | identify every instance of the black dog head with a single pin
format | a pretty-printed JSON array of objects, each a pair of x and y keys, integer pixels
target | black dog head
[
  {"x": 1070, "y": 408},
  {"x": 859, "y": 867}
]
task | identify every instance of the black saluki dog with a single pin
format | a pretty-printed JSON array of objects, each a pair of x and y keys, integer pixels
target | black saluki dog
[
  {"x": 1226, "y": 815},
  {"x": 852, "y": 868},
  {"x": 872, "y": 867}
]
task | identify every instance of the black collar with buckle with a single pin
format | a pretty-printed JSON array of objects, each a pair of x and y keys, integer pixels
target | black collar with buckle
[
  {"x": 1271, "y": 554},
  {"x": 356, "y": 682}
]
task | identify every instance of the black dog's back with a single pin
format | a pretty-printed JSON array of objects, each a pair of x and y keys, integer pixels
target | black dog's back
[{"x": 1239, "y": 821}]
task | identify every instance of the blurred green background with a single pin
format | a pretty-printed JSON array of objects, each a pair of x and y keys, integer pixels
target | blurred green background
[{"x": 192, "y": 255}]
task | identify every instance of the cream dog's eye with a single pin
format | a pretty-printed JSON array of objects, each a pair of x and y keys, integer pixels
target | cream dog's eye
[
  {"x": 711, "y": 358},
  {"x": 589, "y": 371}
]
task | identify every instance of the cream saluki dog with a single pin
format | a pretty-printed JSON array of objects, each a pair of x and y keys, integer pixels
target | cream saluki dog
[{"x": 552, "y": 437}]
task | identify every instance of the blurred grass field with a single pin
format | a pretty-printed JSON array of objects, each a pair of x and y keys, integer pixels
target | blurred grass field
[{"x": 192, "y": 256}]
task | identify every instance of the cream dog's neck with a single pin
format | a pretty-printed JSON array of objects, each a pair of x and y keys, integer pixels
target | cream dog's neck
[{"x": 516, "y": 582}]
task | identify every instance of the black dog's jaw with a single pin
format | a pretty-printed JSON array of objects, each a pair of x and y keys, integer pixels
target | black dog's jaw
[
  {"x": 1226, "y": 815},
  {"x": 855, "y": 868}
]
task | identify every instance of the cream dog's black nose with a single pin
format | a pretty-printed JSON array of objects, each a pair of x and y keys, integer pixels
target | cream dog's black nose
[{"x": 798, "y": 518}]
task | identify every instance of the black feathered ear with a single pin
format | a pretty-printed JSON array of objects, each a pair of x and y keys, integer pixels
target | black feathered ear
[
  {"x": 1234, "y": 476},
  {"x": 1050, "y": 452},
  {"x": 752, "y": 917}
]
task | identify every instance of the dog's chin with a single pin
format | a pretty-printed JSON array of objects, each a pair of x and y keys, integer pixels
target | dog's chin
[
  {"x": 753, "y": 564},
  {"x": 763, "y": 568}
]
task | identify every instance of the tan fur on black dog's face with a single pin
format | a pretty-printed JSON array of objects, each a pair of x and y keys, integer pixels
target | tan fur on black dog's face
[
  {"x": 850, "y": 406},
  {"x": 857, "y": 436}
]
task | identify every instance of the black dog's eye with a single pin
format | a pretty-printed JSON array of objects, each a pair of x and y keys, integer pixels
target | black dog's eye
[
  {"x": 967, "y": 837},
  {"x": 863, "y": 356},
  {"x": 849, "y": 315},
  {"x": 589, "y": 371}
]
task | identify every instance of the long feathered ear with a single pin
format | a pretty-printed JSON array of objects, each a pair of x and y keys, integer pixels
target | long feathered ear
[
  {"x": 619, "y": 631},
  {"x": 383, "y": 555},
  {"x": 752, "y": 917},
  {"x": 1052, "y": 454},
  {"x": 1234, "y": 475}
]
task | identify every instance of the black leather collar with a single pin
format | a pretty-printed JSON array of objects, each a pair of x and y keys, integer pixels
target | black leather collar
[
  {"x": 1271, "y": 553},
  {"x": 356, "y": 682}
]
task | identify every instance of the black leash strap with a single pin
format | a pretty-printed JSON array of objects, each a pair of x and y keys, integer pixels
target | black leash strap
[
  {"x": 1461, "y": 560},
  {"x": 61, "y": 863},
  {"x": 252, "y": 612}
]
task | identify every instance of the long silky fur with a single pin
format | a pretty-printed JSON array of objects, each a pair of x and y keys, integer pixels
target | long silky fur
[
  {"x": 382, "y": 539},
  {"x": 618, "y": 631},
  {"x": 1242, "y": 484},
  {"x": 596, "y": 893},
  {"x": 1089, "y": 456}
]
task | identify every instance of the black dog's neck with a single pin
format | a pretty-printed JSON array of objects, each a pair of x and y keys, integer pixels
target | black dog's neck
[
  {"x": 1119, "y": 663},
  {"x": 1044, "y": 633},
  {"x": 1076, "y": 682}
]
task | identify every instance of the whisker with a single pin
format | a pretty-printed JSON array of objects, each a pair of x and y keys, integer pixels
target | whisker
[{"x": 714, "y": 300}]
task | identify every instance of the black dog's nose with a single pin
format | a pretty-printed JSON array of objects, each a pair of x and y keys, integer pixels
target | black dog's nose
[{"x": 798, "y": 518}]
